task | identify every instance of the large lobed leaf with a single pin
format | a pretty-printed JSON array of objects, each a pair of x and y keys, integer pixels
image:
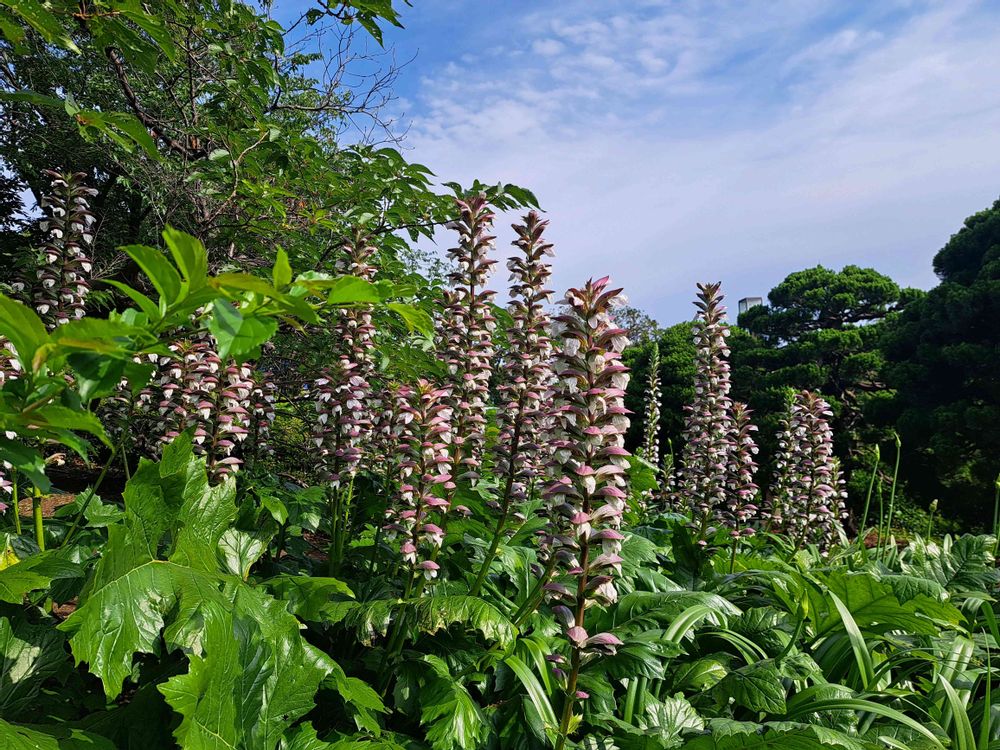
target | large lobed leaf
[
  {"x": 251, "y": 673},
  {"x": 256, "y": 678}
]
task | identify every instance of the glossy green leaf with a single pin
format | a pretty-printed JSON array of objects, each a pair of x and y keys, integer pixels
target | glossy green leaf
[
  {"x": 255, "y": 678},
  {"x": 160, "y": 272},
  {"x": 34, "y": 573},
  {"x": 43, "y": 21},
  {"x": 189, "y": 255},
  {"x": 451, "y": 716},
  {"x": 30, "y": 653},
  {"x": 350, "y": 290},
  {"x": 415, "y": 318},
  {"x": 23, "y": 328},
  {"x": 757, "y": 687},
  {"x": 236, "y": 335}
]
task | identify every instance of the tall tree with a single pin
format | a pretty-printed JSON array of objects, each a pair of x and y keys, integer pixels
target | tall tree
[
  {"x": 819, "y": 332},
  {"x": 943, "y": 353}
]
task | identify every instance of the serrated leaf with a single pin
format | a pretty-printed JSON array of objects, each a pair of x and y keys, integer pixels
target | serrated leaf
[
  {"x": 757, "y": 687},
  {"x": 34, "y": 573},
  {"x": 257, "y": 676},
  {"x": 58, "y": 737},
  {"x": 29, "y": 654},
  {"x": 309, "y": 597},
  {"x": 452, "y": 718}
]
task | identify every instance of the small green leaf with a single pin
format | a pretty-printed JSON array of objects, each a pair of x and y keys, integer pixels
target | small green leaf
[
  {"x": 42, "y": 21},
  {"x": 33, "y": 573},
  {"x": 281, "y": 274},
  {"x": 40, "y": 100},
  {"x": 237, "y": 336},
  {"x": 26, "y": 460},
  {"x": 145, "y": 304},
  {"x": 415, "y": 318},
  {"x": 160, "y": 272},
  {"x": 350, "y": 290},
  {"x": 189, "y": 255}
]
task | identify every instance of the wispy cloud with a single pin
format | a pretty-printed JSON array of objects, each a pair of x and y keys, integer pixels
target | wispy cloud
[{"x": 738, "y": 141}]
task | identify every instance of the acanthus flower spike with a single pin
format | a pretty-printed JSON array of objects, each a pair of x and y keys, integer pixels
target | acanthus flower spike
[
  {"x": 64, "y": 267},
  {"x": 423, "y": 436},
  {"x": 528, "y": 377},
  {"x": 741, "y": 490},
  {"x": 342, "y": 393},
  {"x": 708, "y": 446},
  {"x": 585, "y": 494},
  {"x": 465, "y": 334},
  {"x": 808, "y": 493}
]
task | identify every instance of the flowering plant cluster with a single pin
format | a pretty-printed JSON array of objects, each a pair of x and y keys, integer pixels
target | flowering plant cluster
[
  {"x": 465, "y": 334},
  {"x": 707, "y": 455},
  {"x": 344, "y": 418},
  {"x": 63, "y": 267},
  {"x": 423, "y": 429},
  {"x": 192, "y": 388},
  {"x": 650, "y": 449},
  {"x": 586, "y": 495},
  {"x": 808, "y": 493}
]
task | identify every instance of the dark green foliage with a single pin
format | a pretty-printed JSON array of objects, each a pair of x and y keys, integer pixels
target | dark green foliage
[
  {"x": 943, "y": 352},
  {"x": 819, "y": 332},
  {"x": 676, "y": 383}
]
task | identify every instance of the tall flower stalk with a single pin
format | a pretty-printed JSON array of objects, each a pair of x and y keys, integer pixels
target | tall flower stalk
[
  {"x": 465, "y": 336},
  {"x": 808, "y": 490},
  {"x": 344, "y": 418},
  {"x": 650, "y": 449},
  {"x": 61, "y": 287},
  {"x": 741, "y": 489},
  {"x": 708, "y": 428},
  {"x": 194, "y": 389},
  {"x": 64, "y": 267},
  {"x": 586, "y": 497},
  {"x": 423, "y": 430},
  {"x": 528, "y": 377}
]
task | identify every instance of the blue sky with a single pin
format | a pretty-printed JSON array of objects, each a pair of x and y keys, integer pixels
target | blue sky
[{"x": 676, "y": 142}]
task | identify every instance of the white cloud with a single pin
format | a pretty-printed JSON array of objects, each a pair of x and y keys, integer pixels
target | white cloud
[
  {"x": 732, "y": 143},
  {"x": 547, "y": 47}
]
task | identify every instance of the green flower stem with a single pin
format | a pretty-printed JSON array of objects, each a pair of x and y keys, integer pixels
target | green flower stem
[
  {"x": 892, "y": 492},
  {"x": 15, "y": 501},
  {"x": 36, "y": 512},
  {"x": 535, "y": 596},
  {"x": 581, "y": 613},
  {"x": 868, "y": 497},
  {"x": 504, "y": 513},
  {"x": 90, "y": 495}
]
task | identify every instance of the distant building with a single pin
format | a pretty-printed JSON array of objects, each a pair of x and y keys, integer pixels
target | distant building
[{"x": 747, "y": 302}]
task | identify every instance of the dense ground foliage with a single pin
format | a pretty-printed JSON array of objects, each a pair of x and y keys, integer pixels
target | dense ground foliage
[
  {"x": 459, "y": 575},
  {"x": 267, "y": 486}
]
